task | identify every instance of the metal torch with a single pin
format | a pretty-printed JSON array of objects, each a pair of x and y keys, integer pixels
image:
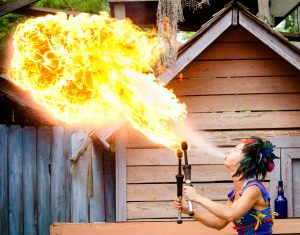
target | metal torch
[
  {"x": 187, "y": 173},
  {"x": 179, "y": 180}
]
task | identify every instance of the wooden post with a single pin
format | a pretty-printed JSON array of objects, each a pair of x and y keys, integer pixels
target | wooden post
[
  {"x": 275, "y": 177},
  {"x": 119, "y": 10},
  {"x": 3, "y": 180},
  {"x": 57, "y": 176},
  {"x": 97, "y": 204},
  {"x": 235, "y": 16},
  {"x": 121, "y": 214},
  {"x": 15, "y": 174},
  {"x": 29, "y": 180},
  {"x": 79, "y": 181},
  {"x": 44, "y": 136},
  {"x": 68, "y": 177},
  {"x": 110, "y": 186}
]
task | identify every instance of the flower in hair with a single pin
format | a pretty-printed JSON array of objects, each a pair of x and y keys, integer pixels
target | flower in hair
[
  {"x": 248, "y": 141},
  {"x": 270, "y": 166}
]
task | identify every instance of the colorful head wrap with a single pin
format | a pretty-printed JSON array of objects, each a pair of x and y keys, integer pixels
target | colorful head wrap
[{"x": 258, "y": 160}]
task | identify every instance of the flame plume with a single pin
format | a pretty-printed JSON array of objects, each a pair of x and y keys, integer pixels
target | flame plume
[{"x": 90, "y": 68}]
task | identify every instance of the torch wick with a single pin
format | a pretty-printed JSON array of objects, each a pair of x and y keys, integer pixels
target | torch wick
[{"x": 184, "y": 148}]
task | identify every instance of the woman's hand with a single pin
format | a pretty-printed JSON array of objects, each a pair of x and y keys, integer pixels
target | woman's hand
[
  {"x": 190, "y": 193},
  {"x": 180, "y": 203}
]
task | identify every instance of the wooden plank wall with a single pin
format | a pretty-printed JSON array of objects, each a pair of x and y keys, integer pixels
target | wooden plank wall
[
  {"x": 236, "y": 88},
  {"x": 37, "y": 187}
]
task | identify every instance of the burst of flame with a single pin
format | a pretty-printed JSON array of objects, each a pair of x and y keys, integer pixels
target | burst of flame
[{"x": 90, "y": 68}]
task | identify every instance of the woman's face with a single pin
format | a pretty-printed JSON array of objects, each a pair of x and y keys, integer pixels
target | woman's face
[{"x": 233, "y": 158}]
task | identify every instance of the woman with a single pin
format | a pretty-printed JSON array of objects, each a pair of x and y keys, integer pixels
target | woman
[{"x": 248, "y": 205}]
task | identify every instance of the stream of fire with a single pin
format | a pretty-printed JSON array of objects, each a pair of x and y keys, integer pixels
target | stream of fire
[{"x": 93, "y": 68}]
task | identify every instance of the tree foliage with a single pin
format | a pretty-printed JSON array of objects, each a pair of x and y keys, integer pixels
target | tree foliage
[
  {"x": 7, "y": 23},
  {"x": 4, "y": 1},
  {"x": 185, "y": 36},
  {"x": 90, "y": 6},
  {"x": 291, "y": 23}
]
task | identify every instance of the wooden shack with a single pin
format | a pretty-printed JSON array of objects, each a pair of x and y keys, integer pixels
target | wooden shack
[{"x": 238, "y": 78}]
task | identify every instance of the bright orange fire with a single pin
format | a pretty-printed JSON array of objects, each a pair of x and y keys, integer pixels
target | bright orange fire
[{"x": 90, "y": 68}]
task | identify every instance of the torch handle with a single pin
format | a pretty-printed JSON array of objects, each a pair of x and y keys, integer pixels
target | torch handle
[
  {"x": 179, "y": 180},
  {"x": 187, "y": 172},
  {"x": 179, "y": 219}
]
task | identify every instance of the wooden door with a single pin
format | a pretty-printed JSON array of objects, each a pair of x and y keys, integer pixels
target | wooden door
[{"x": 288, "y": 169}]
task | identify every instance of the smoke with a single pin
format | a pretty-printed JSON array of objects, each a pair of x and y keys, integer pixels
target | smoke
[{"x": 197, "y": 140}]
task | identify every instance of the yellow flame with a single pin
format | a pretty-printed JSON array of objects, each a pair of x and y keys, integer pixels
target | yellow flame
[{"x": 91, "y": 68}]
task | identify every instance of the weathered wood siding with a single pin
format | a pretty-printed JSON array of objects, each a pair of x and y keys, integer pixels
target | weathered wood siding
[
  {"x": 37, "y": 186},
  {"x": 289, "y": 151},
  {"x": 236, "y": 88}
]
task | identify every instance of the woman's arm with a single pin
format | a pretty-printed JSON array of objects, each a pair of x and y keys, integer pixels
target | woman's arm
[
  {"x": 228, "y": 213},
  {"x": 205, "y": 218},
  {"x": 210, "y": 220}
]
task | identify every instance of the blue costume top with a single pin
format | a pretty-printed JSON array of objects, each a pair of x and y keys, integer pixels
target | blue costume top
[{"x": 258, "y": 222}]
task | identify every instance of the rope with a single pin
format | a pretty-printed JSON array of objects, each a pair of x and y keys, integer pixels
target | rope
[
  {"x": 194, "y": 5},
  {"x": 169, "y": 13}
]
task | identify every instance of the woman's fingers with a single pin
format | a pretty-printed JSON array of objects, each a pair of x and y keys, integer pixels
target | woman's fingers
[
  {"x": 186, "y": 191},
  {"x": 177, "y": 202},
  {"x": 189, "y": 192}
]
